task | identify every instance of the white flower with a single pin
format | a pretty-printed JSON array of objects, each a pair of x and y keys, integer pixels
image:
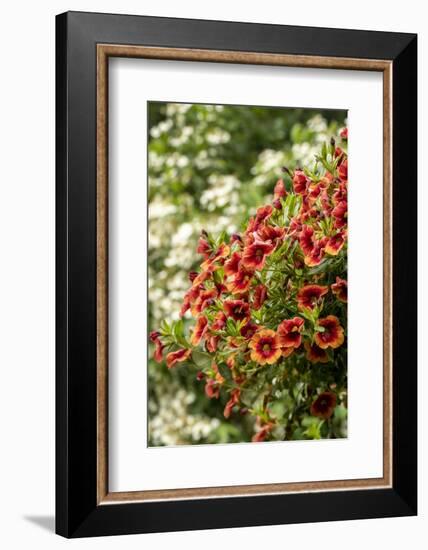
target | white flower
[
  {"x": 160, "y": 209},
  {"x": 218, "y": 136},
  {"x": 317, "y": 124},
  {"x": 183, "y": 234}
]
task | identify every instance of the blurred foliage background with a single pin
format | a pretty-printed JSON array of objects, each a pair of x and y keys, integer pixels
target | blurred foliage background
[{"x": 210, "y": 167}]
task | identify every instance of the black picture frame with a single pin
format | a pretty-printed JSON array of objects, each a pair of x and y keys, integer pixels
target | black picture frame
[{"x": 77, "y": 512}]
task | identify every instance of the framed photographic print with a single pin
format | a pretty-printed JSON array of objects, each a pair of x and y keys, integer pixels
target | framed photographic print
[{"x": 236, "y": 274}]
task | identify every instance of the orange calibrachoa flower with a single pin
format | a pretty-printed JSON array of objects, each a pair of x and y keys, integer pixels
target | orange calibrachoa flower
[
  {"x": 312, "y": 248},
  {"x": 159, "y": 347},
  {"x": 324, "y": 404},
  {"x": 199, "y": 330},
  {"x": 234, "y": 400},
  {"x": 315, "y": 354},
  {"x": 332, "y": 335},
  {"x": 203, "y": 248},
  {"x": 177, "y": 357},
  {"x": 306, "y": 239},
  {"x": 343, "y": 170},
  {"x": 254, "y": 256},
  {"x": 263, "y": 432},
  {"x": 241, "y": 281},
  {"x": 279, "y": 191},
  {"x": 340, "y": 214},
  {"x": 248, "y": 330},
  {"x": 261, "y": 298},
  {"x": 231, "y": 266},
  {"x": 289, "y": 332},
  {"x": 335, "y": 244},
  {"x": 263, "y": 213},
  {"x": 212, "y": 389},
  {"x": 309, "y": 296},
  {"x": 219, "y": 255},
  {"x": 237, "y": 309},
  {"x": 260, "y": 295},
  {"x": 204, "y": 299},
  {"x": 271, "y": 233},
  {"x": 340, "y": 289},
  {"x": 213, "y": 384},
  {"x": 300, "y": 182},
  {"x": 265, "y": 346}
]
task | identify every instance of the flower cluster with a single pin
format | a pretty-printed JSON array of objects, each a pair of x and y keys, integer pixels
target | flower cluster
[{"x": 269, "y": 308}]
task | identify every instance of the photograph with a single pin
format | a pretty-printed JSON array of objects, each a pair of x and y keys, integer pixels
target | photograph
[
  {"x": 247, "y": 273},
  {"x": 201, "y": 349}
]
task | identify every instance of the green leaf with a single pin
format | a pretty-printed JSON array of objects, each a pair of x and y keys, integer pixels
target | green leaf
[
  {"x": 340, "y": 412},
  {"x": 202, "y": 360}
]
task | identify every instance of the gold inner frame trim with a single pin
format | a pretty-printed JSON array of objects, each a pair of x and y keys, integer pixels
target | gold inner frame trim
[{"x": 104, "y": 51}]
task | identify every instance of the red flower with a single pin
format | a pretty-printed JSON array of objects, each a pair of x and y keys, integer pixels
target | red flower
[
  {"x": 254, "y": 256},
  {"x": 340, "y": 214},
  {"x": 177, "y": 357},
  {"x": 340, "y": 289},
  {"x": 199, "y": 330},
  {"x": 332, "y": 335},
  {"x": 212, "y": 386},
  {"x": 343, "y": 170},
  {"x": 237, "y": 309},
  {"x": 271, "y": 233},
  {"x": 324, "y": 404},
  {"x": 230, "y": 362},
  {"x": 314, "y": 192},
  {"x": 263, "y": 213},
  {"x": 295, "y": 228},
  {"x": 263, "y": 433},
  {"x": 206, "y": 274},
  {"x": 289, "y": 332},
  {"x": 310, "y": 296},
  {"x": 341, "y": 194},
  {"x": 241, "y": 282},
  {"x": 212, "y": 389},
  {"x": 300, "y": 182},
  {"x": 252, "y": 226},
  {"x": 260, "y": 294},
  {"x": 192, "y": 275},
  {"x": 338, "y": 152},
  {"x": 203, "y": 248},
  {"x": 159, "y": 347},
  {"x": 335, "y": 244},
  {"x": 234, "y": 400},
  {"x": 248, "y": 330},
  {"x": 231, "y": 266},
  {"x": 219, "y": 321},
  {"x": 189, "y": 298},
  {"x": 212, "y": 338},
  {"x": 286, "y": 352},
  {"x": 315, "y": 354},
  {"x": 279, "y": 191},
  {"x": 316, "y": 255},
  {"x": 306, "y": 239},
  {"x": 235, "y": 238},
  {"x": 344, "y": 133},
  {"x": 211, "y": 343},
  {"x": 204, "y": 300},
  {"x": 265, "y": 347},
  {"x": 310, "y": 214},
  {"x": 222, "y": 252}
]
